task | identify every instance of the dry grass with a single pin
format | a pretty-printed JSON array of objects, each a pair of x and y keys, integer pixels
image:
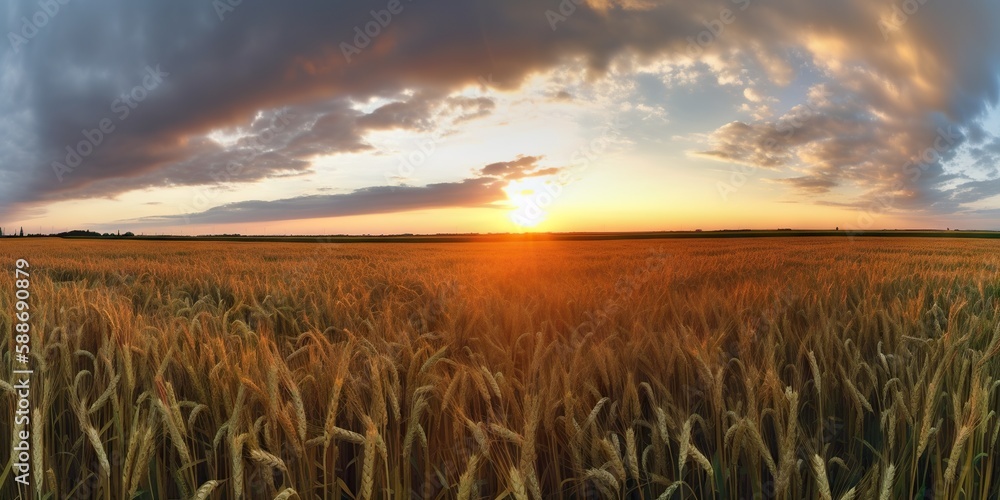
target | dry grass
[{"x": 785, "y": 368}]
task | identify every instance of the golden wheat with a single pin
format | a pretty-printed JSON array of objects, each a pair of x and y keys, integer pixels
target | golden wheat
[{"x": 164, "y": 369}]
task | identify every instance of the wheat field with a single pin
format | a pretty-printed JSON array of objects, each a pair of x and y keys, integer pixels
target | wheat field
[{"x": 746, "y": 368}]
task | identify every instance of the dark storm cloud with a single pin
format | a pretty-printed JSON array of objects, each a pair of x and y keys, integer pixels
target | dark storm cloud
[{"x": 259, "y": 56}]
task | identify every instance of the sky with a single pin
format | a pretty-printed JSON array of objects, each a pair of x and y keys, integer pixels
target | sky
[{"x": 424, "y": 116}]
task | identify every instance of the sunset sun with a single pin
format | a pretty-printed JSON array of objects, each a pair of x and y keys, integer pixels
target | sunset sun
[{"x": 529, "y": 199}]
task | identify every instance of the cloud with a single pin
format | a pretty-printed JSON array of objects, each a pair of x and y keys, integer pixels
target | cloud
[
  {"x": 839, "y": 136},
  {"x": 476, "y": 192},
  {"x": 412, "y": 114},
  {"x": 897, "y": 106},
  {"x": 470, "y": 108},
  {"x": 522, "y": 166},
  {"x": 561, "y": 96},
  {"x": 482, "y": 190},
  {"x": 260, "y": 57},
  {"x": 985, "y": 155},
  {"x": 752, "y": 95},
  {"x": 274, "y": 143},
  {"x": 808, "y": 184},
  {"x": 973, "y": 191},
  {"x": 896, "y": 83}
]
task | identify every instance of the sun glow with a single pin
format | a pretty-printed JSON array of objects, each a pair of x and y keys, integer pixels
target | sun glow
[{"x": 530, "y": 197}]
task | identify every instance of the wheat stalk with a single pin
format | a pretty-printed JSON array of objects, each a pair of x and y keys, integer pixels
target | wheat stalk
[
  {"x": 956, "y": 451},
  {"x": 286, "y": 494},
  {"x": 145, "y": 451},
  {"x": 887, "y": 478},
  {"x": 517, "y": 485},
  {"x": 630, "y": 453},
  {"x": 819, "y": 467},
  {"x": 849, "y": 495},
  {"x": 268, "y": 460},
  {"x": 205, "y": 490},
  {"x": 604, "y": 480},
  {"x": 236, "y": 460},
  {"x": 368, "y": 469},
  {"x": 467, "y": 478}
]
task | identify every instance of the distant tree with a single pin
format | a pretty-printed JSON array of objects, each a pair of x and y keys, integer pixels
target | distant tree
[{"x": 22, "y": 231}]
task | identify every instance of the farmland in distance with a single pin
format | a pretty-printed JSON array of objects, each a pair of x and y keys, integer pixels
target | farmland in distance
[{"x": 729, "y": 368}]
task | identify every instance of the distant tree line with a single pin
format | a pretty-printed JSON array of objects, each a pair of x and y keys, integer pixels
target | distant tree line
[
  {"x": 79, "y": 233},
  {"x": 93, "y": 234}
]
